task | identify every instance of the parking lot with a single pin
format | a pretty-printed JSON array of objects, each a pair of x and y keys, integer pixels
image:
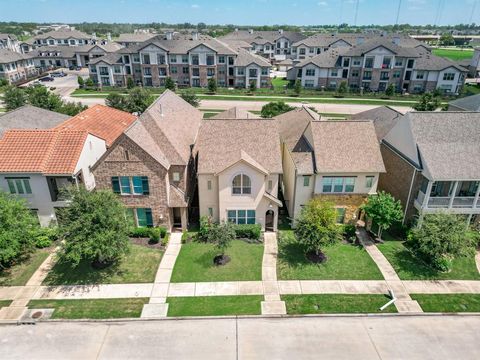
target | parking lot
[{"x": 63, "y": 86}]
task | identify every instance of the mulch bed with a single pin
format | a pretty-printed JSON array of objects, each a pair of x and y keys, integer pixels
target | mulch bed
[
  {"x": 316, "y": 258},
  {"x": 147, "y": 243}
]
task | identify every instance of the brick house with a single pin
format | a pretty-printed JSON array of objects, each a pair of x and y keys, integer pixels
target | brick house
[{"x": 150, "y": 166}]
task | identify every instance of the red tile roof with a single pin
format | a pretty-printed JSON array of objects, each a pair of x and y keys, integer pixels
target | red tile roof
[
  {"x": 49, "y": 152},
  {"x": 100, "y": 120}
]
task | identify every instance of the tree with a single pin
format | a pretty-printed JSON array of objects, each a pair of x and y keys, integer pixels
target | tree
[
  {"x": 72, "y": 108},
  {"x": 130, "y": 83},
  {"x": 316, "y": 228},
  {"x": 17, "y": 226},
  {"x": 89, "y": 82},
  {"x": 383, "y": 210},
  {"x": 273, "y": 109},
  {"x": 447, "y": 39},
  {"x": 169, "y": 84},
  {"x": 428, "y": 102},
  {"x": 3, "y": 82},
  {"x": 81, "y": 82},
  {"x": 440, "y": 238},
  {"x": 13, "y": 98},
  {"x": 297, "y": 88},
  {"x": 191, "y": 98},
  {"x": 390, "y": 90},
  {"x": 212, "y": 85},
  {"x": 138, "y": 100},
  {"x": 116, "y": 101},
  {"x": 40, "y": 96},
  {"x": 221, "y": 235},
  {"x": 94, "y": 228},
  {"x": 253, "y": 86},
  {"x": 342, "y": 88}
]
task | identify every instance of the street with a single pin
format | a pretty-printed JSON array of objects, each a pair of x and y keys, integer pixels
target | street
[{"x": 330, "y": 337}]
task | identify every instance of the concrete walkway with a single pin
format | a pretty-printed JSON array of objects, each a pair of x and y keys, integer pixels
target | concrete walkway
[
  {"x": 272, "y": 305},
  {"x": 157, "y": 306},
  {"x": 477, "y": 260},
  {"x": 404, "y": 302}
]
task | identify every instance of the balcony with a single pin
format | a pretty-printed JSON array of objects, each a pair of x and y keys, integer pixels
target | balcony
[{"x": 453, "y": 195}]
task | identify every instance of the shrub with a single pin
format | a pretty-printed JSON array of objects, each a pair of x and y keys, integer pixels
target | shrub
[
  {"x": 248, "y": 231},
  {"x": 191, "y": 98},
  {"x": 130, "y": 83},
  {"x": 45, "y": 236},
  {"x": 349, "y": 231},
  {"x": 165, "y": 239},
  {"x": 205, "y": 225},
  {"x": 153, "y": 233},
  {"x": 42, "y": 241}
]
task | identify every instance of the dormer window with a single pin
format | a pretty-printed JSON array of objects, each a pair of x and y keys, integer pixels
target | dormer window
[{"x": 241, "y": 185}]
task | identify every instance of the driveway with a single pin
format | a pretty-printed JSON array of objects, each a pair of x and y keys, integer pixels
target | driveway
[
  {"x": 376, "y": 337},
  {"x": 64, "y": 85}
]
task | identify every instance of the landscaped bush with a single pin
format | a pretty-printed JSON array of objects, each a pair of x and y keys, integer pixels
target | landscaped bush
[
  {"x": 205, "y": 225},
  {"x": 45, "y": 236},
  {"x": 248, "y": 231},
  {"x": 153, "y": 233},
  {"x": 349, "y": 231}
]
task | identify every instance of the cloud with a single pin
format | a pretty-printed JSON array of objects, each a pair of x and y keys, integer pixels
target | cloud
[{"x": 195, "y": 6}]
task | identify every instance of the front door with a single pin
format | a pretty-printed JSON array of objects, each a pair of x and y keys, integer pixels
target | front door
[
  {"x": 177, "y": 217},
  {"x": 269, "y": 220}
]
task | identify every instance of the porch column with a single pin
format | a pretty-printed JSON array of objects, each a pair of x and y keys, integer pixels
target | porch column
[
  {"x": 477, "y": 194},
  {"x": 184, "y": 219},
  {"x": 427, "y": 194},
  {"x": 454, "y": 191}
]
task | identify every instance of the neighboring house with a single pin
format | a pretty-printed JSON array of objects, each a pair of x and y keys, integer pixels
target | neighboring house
[
  {"x": 433, "y": 165},
  {"x": 134, "y": 38},
  {"x": 384, "y": 119},
  {"x": 239, "y": 168},
  {"x": 474, "y": 65},
  {"x": 37, "y": 164},
  {"x": 190, "y": 60},
  {"x": 235, "y": 113},
  {"x": 275, "y": 45},
  {"x": 467, "y": 103},
  {"x": 30, "y": 117},
  {"x": 16, "y": 67},
  {"x": 375, "y": 64},
  {"x": 338, "y": 161},
  {"x": 9, "y": 42},
  {"x": 62, "y": 37},
  {"x": 150, "y": 165}
]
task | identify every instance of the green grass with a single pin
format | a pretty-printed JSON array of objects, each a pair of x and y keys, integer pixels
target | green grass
[
  {"x": 448, "y": 302},
  {"x": 139, "y": 266},
  {"x": 279, "y": 83},
  {"x": 344, "y": 262},
  {"x": 454, "y": 54},
  {"x": 409, "y": 267},
  {"x": 4, "y": 303},
  {"x": 92, "y": 308},
  {"x": 336, "y": 303},
  {"x": 195, "y": 263},
  {"x": 214, "y": 305},
  {"x": 19, "y": 274},
  {"x": 208, "y": 115}
]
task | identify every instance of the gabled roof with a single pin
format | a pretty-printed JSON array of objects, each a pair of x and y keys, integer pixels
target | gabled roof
[
  {"x": 63, "y": 34},
  {"x": 167, "y": 129},
  {"x": 327, "y": 59},
  {"x": 346, "y": 147},
  {"x": 102, "y": 121},
  {"x": 221, "y": 143},
  {"x": 49, "y": 152},
  {"x": 244, "y": 157},
  {"x": 30, "y": 117},
  {"x": 468, "y": 103},
  {"x": 8, "y": 56},
  {"x": 428, "y": 61},
  {"x": 367, "y": 46},
  {"x": 176, "y": 197},
  {"x": 265, "y": 36},
  {"x": 384, "y": 119},
  {"x": 235, "y": 113},
  {"x": 245, "y": 58},
  {"x": 138, "y": 37}
]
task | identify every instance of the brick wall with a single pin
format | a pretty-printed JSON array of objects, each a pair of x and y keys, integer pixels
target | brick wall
[{"x": 351, "y": 203}]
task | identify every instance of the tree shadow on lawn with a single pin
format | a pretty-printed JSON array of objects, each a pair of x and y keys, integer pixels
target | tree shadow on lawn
[
  {"x": 206, "y": 259},
  {"x": 411, "y": 266}
]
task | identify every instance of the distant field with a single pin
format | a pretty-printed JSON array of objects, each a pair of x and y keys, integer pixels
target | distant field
[{"x": 454, "y": 54}]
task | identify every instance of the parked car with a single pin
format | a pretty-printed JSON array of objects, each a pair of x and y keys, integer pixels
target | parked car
[
  {"x": 58, "y": 74},
  {"x": 46, "y": 78}
]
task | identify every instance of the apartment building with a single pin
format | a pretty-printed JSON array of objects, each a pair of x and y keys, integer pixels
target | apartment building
[
  {"x": 16, "y": 67},
  {"x": 9, "y": 42},
  {"x": 274, "y": 45},
  {"x": 131, "y": 39},
  {"x": 62, "y": 37},
  {"x": 377, "y": 63},
  {"x": 190, "y": 60}
]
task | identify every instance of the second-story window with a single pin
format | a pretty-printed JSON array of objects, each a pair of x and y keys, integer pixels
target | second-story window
[
  {"x": 161, "y": 59},
  {"x": 127, "y": 185},
  {"x": 369, "y": 62},
  {"x": 252, "y": 72},
  {"x": 146, "y": 58},
  {"x": 173, "y": 59},
  {"x": 310, "y": 72},
  {"x": 185, "y": 59},
  {"x": 221, "y": 59},
  {"x": 240, "y": 71},
  {"x": 176, "y": 176},
  {"x": 209, "y": 184},
  {"x": 103, "y": 70},
  {"x": 338, "y": 184},
  {"x": 210, "y": 60},
  {"x": 241, "y": 184},
  {"x": 449, "y": 76},
  {"x": 195, "y": 60},
  {"x": 369, "y": 181},
  {"x": 19, "y": 186},
  {"x": 306, "y": 181}
]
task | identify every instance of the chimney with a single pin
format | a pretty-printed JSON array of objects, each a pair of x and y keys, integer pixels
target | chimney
[
  {"x": 360, "y": 40},
  {"x": 194, "y": 35},
  {"x": 396, "y": 40},
  {"x": 169, "y": 35},
  {"x": 250, "y": 31},
  {"x": 280, "y": 31}
]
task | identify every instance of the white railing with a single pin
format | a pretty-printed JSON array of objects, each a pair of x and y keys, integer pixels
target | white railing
[
  {"x": 463, "y": 202},
  {"x": 438, "y": 201}
]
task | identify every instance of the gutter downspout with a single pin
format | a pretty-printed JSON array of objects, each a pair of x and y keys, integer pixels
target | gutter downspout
[{"x": 409, "y": 195}]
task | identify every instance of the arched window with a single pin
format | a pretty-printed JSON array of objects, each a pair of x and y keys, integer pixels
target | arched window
[{"x": 241, "y": 184}]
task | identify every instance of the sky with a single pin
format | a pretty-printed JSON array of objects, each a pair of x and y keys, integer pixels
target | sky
[{"x": 244, "y": 12}]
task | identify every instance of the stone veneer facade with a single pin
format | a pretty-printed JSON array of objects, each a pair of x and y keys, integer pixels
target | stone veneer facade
[{"x": 351, "y": 203}]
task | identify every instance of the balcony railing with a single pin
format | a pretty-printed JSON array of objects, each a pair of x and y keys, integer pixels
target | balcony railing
[{"x": 444, "y": 201}]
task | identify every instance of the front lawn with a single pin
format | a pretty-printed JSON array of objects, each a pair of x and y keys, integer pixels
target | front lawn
[
  {"x": 448, "y": 302},
  {"x": 20, "y": 273},
  {"x": 454, "y": 54},
  {"x": 139, "y": 266},
  {"x": 336, "y": 303},
  {"x": 409, "y": 267},
  {"x": 214, "y": 305},
  {"x": 92, "y": 308},
  {"x": 195, "y": 263},
  {"x": 344, "y": 262}
]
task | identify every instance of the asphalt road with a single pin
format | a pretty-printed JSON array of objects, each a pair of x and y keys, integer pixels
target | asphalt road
[{"x": 398, "y": 337}]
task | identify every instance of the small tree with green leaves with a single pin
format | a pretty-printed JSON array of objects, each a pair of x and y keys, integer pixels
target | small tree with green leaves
[
  {"x": 138, "y": 100},
  {"x": 116, "y": 101},
  {"x": 253, "y": 86},
  {"x": 80, "y": 81},
  {"x": 72, "y": 108},
  {"x": 383, "y": 210},
  {"x": 390, "y": 90},
  {"x": 212, "y": 85},
  {"x": 316, "y": 228},
  {"x": 221, "y": 235},
  {"x": 94, "y": 228},
  {"x": 40, "y": 96},
  {"x": 3, "y": 82},
  {"x": 17, "y": 227},
  {"x": 169, "y": 84},
  {"x": 130, "y": 83},
  {"x": 275, "y": 108},
  {"x": 191, "y": 98},
  {"x": 342, "y": 88},
  {"x": 89, "y": 83},
  {"x": 297, "y": 87},
  {"x": 440, "y": 238},
  {"x": 13, "y": 98},
  {"x": 427, "y": 102}
]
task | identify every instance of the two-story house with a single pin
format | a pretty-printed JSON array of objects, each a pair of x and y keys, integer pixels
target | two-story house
[
  {"x": 338, "y": 161},
  {"x": 239, "y": 165},
  {"x": 150, "y": 165},
  {"x": 433, "y": 165}
]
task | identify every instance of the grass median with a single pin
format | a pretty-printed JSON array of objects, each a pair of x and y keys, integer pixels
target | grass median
[
  {"x": 214, "y": 305},
  {"x": 447, "y": 303}
]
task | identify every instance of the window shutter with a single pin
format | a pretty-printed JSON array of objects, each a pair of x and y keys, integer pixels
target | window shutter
[
  {"x": 115, "y": 184},
  {"x": 148, "y": 214},
  {"x": 146, "y": 189}
]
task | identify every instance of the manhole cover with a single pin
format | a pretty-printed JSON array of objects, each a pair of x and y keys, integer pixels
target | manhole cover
[{"x": 37, "y": 314}]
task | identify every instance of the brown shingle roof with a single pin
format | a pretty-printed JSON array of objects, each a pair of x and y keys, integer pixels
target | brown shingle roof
[
  {"x": 102, "y": 121},
  {"x": 235, "y": 113},
  {"x": 384, "y": 119}
]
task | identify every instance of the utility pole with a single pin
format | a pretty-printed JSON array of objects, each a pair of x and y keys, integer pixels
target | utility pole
[
  {"x": 356, "y": 13},
  {"x": 398, "y": 11}
]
